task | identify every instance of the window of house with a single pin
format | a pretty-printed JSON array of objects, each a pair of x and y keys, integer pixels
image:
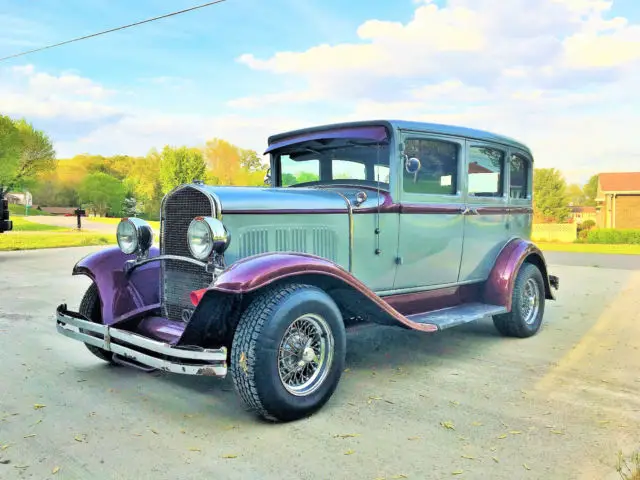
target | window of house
[
  {"x": 519, "y": 177},
  {"x": 486, "y": 167},
  {"x": 438, "y": 172}
]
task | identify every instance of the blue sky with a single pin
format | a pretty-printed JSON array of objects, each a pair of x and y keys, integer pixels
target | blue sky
[{"x": 560, "y": 75}]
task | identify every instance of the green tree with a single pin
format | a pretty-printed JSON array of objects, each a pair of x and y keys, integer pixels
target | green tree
[
  {"x": 10, "y": 148},
  {"x": 591, "y": 191},
  {"x": 180, "y": 165},
  {"x": 102, "y": 193},
  {"x": 576, "y": 195},
  {"x": 550, "y": 196},
  {"x": 36, "y": 156},
  {"x": 250, "y": 161}
]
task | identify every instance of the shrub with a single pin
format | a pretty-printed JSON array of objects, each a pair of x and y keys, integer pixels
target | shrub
[
  {"x": 587, "y": 225},
  {"x": 612, "y": 236}
]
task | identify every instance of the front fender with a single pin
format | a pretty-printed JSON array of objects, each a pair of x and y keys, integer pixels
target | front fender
[
  {"x": 499, "y": 286},
  {"x": 256, "y": 272},
  {"x": 121, "y": 295}
]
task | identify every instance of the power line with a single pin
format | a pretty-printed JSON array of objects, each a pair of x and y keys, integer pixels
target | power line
[{"x": 112, "y": 30}]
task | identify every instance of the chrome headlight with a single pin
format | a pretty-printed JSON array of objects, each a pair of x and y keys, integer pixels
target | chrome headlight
[
  {"x": 207, "y": 235},
  {"x": 134, "y": 236}
]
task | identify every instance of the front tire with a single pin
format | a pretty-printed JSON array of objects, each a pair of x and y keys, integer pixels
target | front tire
[
  {"x": 90, "y": 308},
  {"x": 527, "y": 305},
  {"x": 288, "y": 352}
]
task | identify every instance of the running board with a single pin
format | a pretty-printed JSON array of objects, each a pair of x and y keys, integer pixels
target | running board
[{"x": 458, "y": 315}]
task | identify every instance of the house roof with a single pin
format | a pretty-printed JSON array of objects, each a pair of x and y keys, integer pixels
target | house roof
[{"x": 620, "y": 182}]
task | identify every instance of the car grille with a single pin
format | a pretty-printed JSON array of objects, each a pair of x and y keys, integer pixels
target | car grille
[{"x": 179, "y": 278}]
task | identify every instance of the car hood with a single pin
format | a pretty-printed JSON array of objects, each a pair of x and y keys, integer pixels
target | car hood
[{"x": 263, "y": 200}]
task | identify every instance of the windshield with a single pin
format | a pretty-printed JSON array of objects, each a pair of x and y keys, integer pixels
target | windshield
[{"x": 311, "y": 163}]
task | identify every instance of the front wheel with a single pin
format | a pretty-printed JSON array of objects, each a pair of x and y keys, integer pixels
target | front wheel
[
  {"x": 288, "y": 352},
  {"x": 527, "y": 305}
]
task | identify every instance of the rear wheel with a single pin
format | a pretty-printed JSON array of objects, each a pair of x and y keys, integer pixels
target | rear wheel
[
  {"x": 527, "y": 305},
  {"x": 288, "y": 352},
  {"x": 90, "y": 308}
]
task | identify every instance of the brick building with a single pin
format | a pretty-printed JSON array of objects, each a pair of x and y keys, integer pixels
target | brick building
[{"x": 618, "y": 200}]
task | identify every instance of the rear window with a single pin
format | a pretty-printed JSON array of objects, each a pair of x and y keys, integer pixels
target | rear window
[{"x": 518, "y": 177}]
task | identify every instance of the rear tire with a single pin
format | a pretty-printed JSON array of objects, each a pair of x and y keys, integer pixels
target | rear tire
[
  {"x": 288, "y": 352},
  {"x": 90, "y": 308},
  {"x": 527, "y": 305}
]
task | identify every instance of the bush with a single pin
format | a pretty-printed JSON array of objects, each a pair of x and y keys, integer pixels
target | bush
[
  {"x": 587, "y": 225},
  {"x": 613, "y": 237}
]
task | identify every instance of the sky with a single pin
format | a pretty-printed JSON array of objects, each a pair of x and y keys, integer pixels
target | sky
[{"x": 560, "y": 75}]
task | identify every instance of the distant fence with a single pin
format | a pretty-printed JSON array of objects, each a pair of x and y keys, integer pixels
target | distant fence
[{"x": 554, "y": 232}]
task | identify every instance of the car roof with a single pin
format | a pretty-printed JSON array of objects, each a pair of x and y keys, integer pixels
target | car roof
[{"x": 426, "y": 127}]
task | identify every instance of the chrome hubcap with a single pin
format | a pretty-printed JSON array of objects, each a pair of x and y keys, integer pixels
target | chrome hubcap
[
  {"x": 305, "y": 355},
  {"x": 530, "y": 301}
]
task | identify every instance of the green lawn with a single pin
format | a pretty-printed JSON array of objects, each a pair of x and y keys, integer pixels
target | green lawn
[
  {"x": 36, "y": 240},
  {"x": 23, "y": 225},
  {"x": 114, "y": 221},
  {"x": 590, "y": 248},
  {"x": 18, "y": 211}
]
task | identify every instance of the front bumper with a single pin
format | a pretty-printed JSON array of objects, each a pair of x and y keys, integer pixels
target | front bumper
[{"x": 141, "y": 350}]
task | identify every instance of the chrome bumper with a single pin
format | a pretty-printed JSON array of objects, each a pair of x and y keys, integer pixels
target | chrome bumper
[{"x": 132, "y": 347}]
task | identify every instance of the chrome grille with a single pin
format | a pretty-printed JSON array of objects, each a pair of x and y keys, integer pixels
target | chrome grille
[{"x": 179, "y": 279}]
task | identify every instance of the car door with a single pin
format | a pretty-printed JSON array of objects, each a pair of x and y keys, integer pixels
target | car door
[
  {"x": 430, "y": 220},
  {"x": 486, "y": 216}
]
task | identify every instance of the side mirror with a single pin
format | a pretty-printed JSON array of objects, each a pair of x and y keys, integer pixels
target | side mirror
[
  {"x": 267, "y": 177},
  {"x": 411, "y": 165}
]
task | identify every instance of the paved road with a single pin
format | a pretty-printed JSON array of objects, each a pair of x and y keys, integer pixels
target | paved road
[
  {"x": 619, "y": 262},
  {"x": 556, "y": 406}
]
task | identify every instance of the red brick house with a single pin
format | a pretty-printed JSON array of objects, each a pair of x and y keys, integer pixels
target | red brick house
[{"x": 618, "y": 200}]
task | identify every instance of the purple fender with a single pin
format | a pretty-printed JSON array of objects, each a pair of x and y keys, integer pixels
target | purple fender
[
  {"x": 499, "y": 286},
  {"x": 258, "y": 271},
  {"x": 122, "y": 296}
]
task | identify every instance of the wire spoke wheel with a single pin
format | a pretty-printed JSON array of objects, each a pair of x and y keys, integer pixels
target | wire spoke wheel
[
  {"x": 530, "y": 301},
  {"x": 305, "y": 354}
]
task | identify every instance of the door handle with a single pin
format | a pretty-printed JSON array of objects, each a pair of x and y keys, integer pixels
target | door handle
[{"x": 469, "y": 211}]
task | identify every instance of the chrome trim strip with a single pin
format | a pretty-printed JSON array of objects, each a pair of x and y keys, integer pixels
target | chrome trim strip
[
  {"x": 132, "y": 264},
  {"x": 351, "y": 229},
  {"x": 214, "y": 359}
]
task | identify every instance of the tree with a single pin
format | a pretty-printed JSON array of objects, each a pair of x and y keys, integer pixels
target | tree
[
  {"x": 36, "y": 155},
  {"x": 550, "y": 196},
  {"x": 180, "y": 165},
  {"x": 591, "y": 191},
  {"x": 232, "y": 165},
  {"x": 576, "y": 194},
  {"x": 102, "y": 193},
  {"x": 10, "y": 148}
]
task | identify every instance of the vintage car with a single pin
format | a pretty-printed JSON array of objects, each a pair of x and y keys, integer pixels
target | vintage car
[{"x": 414, "y": 225}]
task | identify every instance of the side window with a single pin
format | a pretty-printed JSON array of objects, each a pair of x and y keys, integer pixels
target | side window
[
  {"x": 519, "y": 179},
  {"x": 486, "y": 172},
  {"x": 438, "y": 172}
]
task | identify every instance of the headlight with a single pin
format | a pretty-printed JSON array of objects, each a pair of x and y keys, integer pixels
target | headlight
[
  {"x": 206, "y": 235},
  {"x": 134, "y": 236}
]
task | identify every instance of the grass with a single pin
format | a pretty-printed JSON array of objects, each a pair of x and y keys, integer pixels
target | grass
[
  {"x": 114, "y": 221},
  {"x": 22, "y": 225},
  {"x": 629, "y": 469},
  {"x": 18, "y": 211},
  {"x": 35, "y": 240},
  {"x": 589, "y": 248}
]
